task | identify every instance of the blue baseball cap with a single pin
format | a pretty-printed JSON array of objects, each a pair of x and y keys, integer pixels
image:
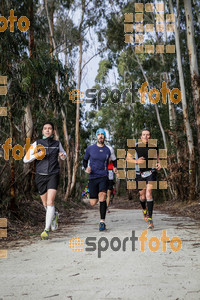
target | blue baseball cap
[{"x": 101, "y": 130}]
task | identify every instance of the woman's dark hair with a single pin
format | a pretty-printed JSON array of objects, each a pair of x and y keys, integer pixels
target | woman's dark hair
[{"x": 52, "y": 125}]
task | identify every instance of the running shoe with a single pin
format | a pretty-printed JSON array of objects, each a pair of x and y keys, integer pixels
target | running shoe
[
  {"x": 54, "y": 223},
  {"x": 45, "y": 235},
  {"x": 150, "y": 224},
  {"x": 145, "y": 215},
  {"x": 108, "y": 210},
  {"x": 102, "y": 226}
]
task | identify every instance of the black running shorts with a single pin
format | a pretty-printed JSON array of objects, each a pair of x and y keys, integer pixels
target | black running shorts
[
  {"x": 110, "y": 184},
  {"x": 46, "y": 182},
  {"x": 152, "y": 177},
  {"x": 97, "y": 185}
]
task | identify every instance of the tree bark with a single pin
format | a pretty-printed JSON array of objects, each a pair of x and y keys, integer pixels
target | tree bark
[
  {"x": 69, "y": 188},
  {"x": 185, "y": 113},
  {"x": 13, "y": 205},
  {"x": 28, "y": 120},
  {"x": 66, "y": 137},
  {"x": 158, "y": 118},
  {"x": 156, "y": 107},
  {"x": 76, "y": 157},
  {"x": 53, "y": 54},
  {"x": 195, "y": 79},
  {"x": 196, "y": 4}
]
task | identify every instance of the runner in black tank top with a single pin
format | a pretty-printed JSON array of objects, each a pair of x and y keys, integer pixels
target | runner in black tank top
[
  {"x": 146, "y": 171},
  {"x": 47, "y": 173}
]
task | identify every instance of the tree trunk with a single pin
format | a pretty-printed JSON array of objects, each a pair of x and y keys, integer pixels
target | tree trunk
[
  {"x": 53, "y": 53},
  {"x": 196, "y": 5},
  {"x": 172, "y": 112},
  {"x": 156, "y": 107},
  {"x": 28, "y": 121},
  {"x": 13, "y": 205},
  {"x": 52, "y": 8},
  {"x": 31, "y": 33},
  {"x": 172, "y": 118},
  {"x": 185, "y": 113},
  {"x": 158, "y": 118},
  {"x": 66, "y": 137},
  {"x": 195, "y": 79},
  {"x": 76, "y": 157},
  {"x": 69, "y": 189},
  {"x": 28, "y": 115}
]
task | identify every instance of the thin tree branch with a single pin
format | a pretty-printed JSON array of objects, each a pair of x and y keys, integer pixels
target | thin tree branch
[{"x": 93, "y": 57}]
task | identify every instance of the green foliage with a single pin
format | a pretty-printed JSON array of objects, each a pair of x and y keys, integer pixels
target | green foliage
[{"x": 104, "y": 67}]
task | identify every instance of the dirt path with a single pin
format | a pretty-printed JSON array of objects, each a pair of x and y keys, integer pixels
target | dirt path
[{"x": 50, "y": 269}]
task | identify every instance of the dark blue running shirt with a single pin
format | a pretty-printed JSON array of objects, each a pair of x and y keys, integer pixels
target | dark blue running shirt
[{"x": 99, "y": 158}]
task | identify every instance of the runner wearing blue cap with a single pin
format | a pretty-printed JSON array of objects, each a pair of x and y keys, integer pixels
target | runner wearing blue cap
[{"x": 98, "y": 156}]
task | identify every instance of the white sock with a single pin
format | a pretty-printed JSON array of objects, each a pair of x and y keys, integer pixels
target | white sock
[
  {"x": 45, "y": 207},
  {"x": 49, "y": 216}
]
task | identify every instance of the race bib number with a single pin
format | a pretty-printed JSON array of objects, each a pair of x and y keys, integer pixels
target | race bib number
[{"x": 110, "y": 175}]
